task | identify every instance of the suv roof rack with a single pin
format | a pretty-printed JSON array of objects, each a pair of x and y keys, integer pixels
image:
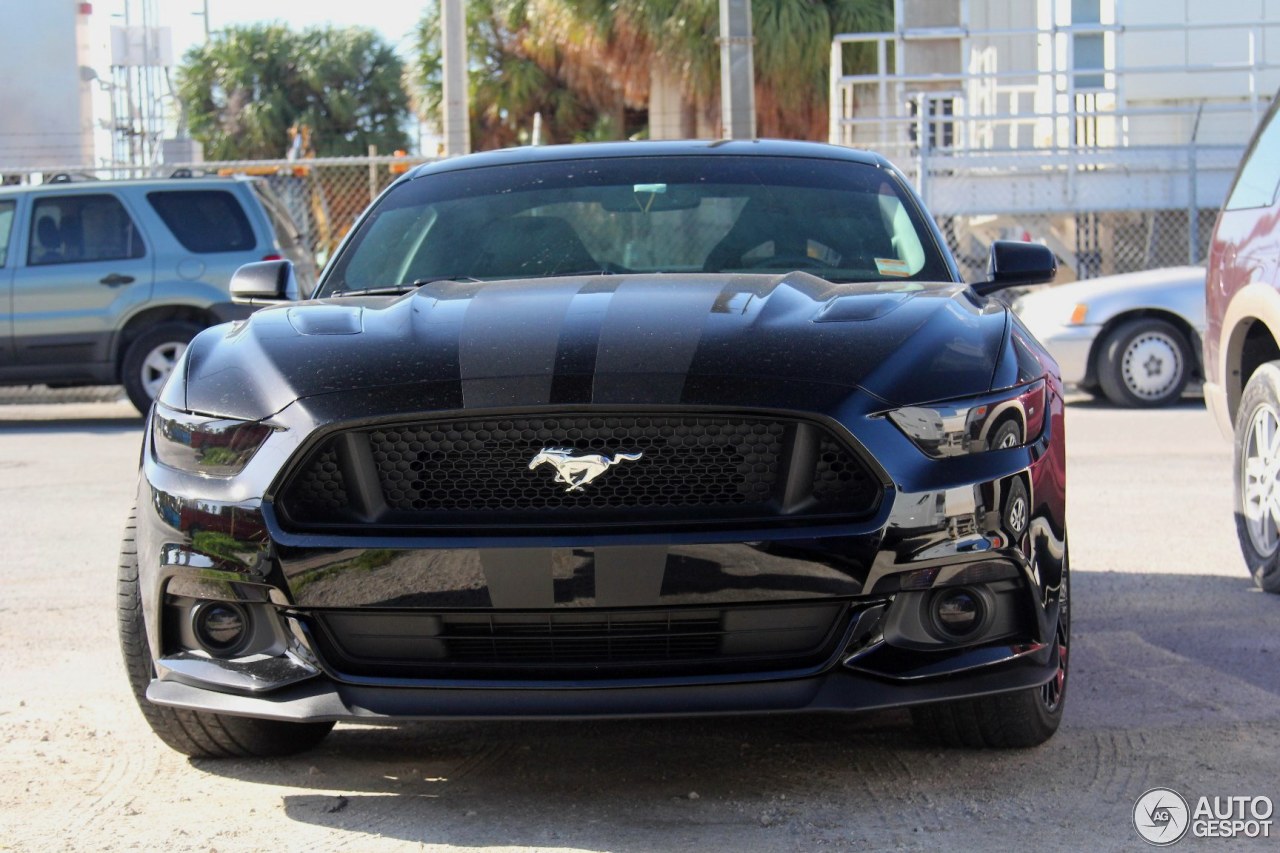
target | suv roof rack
[{"x": 69, "y": 177}]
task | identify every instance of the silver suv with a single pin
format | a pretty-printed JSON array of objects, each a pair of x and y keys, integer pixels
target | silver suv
[{"x": 105, "y": 282}]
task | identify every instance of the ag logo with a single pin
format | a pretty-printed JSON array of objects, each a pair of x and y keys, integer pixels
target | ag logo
[{"x": 1161, "y": 816}]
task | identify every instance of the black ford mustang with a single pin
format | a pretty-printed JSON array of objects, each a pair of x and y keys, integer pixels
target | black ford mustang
[{"x": 610, "y": 430}]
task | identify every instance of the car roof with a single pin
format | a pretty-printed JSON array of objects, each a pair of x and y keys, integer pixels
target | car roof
[
  {"x": 651, "y": 148},
  {"x": 149, "y": 183}
]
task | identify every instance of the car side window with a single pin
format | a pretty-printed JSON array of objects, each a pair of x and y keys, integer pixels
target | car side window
[
  {"x": 6, "y": 227},
  {"x": 204, "y": 221},
  {"x": 82, "y": 228},
  {"x": 1260, "y": 174}
]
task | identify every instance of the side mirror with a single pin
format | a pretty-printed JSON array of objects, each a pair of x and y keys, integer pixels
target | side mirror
[
  {"x": 1014, "y": 264},
  {"x": 265, "y": 283}
]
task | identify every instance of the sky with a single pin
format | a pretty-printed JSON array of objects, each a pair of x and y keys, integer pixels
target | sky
[{"x": 393, "y": 19}]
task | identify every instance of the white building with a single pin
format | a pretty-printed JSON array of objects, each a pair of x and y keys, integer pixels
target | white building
[
  {"x": 1109, "y": 129},
  {"x": 46, "y": 103}
]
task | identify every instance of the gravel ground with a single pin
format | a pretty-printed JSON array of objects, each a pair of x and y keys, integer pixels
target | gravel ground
[{"x": 1176, "y": 681}]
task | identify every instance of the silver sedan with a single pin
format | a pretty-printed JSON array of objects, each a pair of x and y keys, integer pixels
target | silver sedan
[{"x": 1135, "y": 338}]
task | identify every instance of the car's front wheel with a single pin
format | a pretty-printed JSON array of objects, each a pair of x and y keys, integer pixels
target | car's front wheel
[
  {"x": 150, "y": 358},
  {"x": 1144, "y": 363},
  {"x": 1257, "y": 476},
  {"x": 1021, "y": 719},
  {"x": 198, "y": 734}
]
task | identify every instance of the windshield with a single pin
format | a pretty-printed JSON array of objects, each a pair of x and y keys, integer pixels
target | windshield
[{"x": 841, "y": 220}]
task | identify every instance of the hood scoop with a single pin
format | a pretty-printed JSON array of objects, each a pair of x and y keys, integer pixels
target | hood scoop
[
  {"x": 862, "y": 306},
  {"x": 327, "y": 320}
]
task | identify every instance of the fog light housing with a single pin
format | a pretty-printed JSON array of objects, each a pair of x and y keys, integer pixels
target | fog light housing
[
  {"x": 958, "y": 613},
  {"x": 220, "y": 627}
]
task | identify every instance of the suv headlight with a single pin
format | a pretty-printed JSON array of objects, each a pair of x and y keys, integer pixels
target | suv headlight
[
  {"x": 210, "y": 447},
  {"x": 1010, "y": 418}
]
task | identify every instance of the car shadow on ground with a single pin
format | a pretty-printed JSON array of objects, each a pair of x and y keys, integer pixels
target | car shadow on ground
[
  {"x": 27, "y": 426},
  {"x": 1200, "y": 661}
]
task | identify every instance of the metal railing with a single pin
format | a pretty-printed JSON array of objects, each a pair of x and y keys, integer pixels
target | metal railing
[{"x": 1127, "y": 147}]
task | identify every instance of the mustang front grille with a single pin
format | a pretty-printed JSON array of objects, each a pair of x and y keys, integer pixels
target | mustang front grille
[
  {"x": 509, "y": 472},
  {"x": 465, "y": 644}
]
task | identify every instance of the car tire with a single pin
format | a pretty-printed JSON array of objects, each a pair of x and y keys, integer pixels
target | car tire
[
  {"x": 1018, "y": 720},
  {"x": 1144, "y": 364},
  {"x": 1258, "y": 424},
  {"x": 149, "y": 359},
  {"x": 198, "y": 734}
]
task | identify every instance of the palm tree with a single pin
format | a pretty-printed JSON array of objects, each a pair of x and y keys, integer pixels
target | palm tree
[
  {"x": 510, "y": 81},
  {"x": 243, "y": 89},
  {"x": 355, "y": 91},
  {"x": 602, "y": 53}
]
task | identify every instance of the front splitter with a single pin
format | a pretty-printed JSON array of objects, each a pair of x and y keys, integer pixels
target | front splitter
[{"x": 320, "y": 700}]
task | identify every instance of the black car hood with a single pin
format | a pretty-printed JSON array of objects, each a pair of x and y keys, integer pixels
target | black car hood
[{"x": 633, "y": 339}]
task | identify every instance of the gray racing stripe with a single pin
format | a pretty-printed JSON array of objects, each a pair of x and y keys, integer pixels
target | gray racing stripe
[
  {"x": 507, "y": 348},
  {"x": 649, "y": 337},
  {"x": 580, "y": 343}
]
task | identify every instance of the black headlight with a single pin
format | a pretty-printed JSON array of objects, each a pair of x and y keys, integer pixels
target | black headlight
[{"x": 211, "y": 447}]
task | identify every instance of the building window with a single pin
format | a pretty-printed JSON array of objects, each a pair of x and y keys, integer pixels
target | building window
[{"x": 1088, "y": 49}]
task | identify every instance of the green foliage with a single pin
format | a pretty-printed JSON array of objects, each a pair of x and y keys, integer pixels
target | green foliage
[
  {"x": 571, "y": 60},
  {"x": 508, "y": 85},
  {"x": 221, "y": 545},
  {"x": 248, "y": 85}
]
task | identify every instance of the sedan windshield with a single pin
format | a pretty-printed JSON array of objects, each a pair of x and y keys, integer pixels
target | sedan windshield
[{"x": 842, "y": 220}]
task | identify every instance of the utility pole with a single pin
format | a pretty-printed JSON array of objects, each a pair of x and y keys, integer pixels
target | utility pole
[
  {"x": 737, "y": 71},
  {"x": 204, "y": 15},
  {"x": 453, "y": 41}
]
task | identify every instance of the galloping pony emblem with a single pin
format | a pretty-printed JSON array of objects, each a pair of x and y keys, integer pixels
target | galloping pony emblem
[{"x": 577, "y": 471}]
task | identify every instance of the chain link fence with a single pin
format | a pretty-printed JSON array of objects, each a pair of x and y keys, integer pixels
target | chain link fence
[
  {"x": 1089, "y": 243},
  {"x": 323, "y": 195}
]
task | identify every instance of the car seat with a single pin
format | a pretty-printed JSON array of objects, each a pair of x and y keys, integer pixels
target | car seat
[
  {"x": 522, "y": 246},
  {"x": 48, "y": 241}
]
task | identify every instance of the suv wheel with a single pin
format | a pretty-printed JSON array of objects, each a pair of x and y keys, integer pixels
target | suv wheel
[
  {"x": 1257, "y": 476},
  {"x": 150, "y": 359},
  {"x": 199, "y": 734},
  {"x": 1144, "y": 363}
]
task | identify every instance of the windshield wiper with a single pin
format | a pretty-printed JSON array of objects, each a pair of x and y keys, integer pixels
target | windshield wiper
[
  {"x": 577, "y": 273},
  {"x": 396, "y": 289}
]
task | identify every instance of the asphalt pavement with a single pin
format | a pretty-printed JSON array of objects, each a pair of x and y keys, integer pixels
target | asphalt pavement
[{"x": 1175, "y": 683}]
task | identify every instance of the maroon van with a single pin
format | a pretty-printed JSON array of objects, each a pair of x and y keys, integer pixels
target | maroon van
[{"x": 1242, "y": 358}]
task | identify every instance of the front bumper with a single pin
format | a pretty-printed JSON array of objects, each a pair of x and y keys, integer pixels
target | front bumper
[
  {"x": 940, "y": 525},
  {"x": 1071, "y": 347}
]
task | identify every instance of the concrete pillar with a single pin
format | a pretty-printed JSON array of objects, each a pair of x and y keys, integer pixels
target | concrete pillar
[
  {"x": 453, "y": 43},
  {"x": 737, "y": 70}
]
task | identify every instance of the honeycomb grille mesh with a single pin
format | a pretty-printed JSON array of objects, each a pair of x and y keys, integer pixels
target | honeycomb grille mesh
[
  {"x": 321, "y": 485},
  {"x": 479, "y": 470},
  {"x": 484, "y": 465},
  {"x": 838, "y": 477}
]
